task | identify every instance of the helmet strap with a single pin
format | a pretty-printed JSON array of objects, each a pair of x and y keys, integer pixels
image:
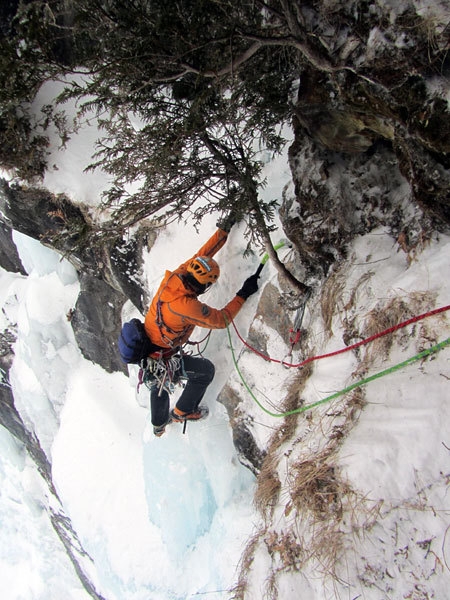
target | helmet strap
[{"x": 192, "y": 284}]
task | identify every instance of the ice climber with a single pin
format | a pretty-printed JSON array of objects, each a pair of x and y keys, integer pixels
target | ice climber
[{"x": 174, "y": 313}]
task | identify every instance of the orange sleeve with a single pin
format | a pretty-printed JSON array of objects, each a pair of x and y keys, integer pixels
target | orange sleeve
[
  {"x": 193, "y": 312},
  {"x": 210, "y": 248}
]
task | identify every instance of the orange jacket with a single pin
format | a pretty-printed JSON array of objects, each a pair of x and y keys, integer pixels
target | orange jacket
[{"x": 175, "y": 310}]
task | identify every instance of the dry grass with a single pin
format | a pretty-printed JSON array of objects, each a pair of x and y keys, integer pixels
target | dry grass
[
  {"x": 361, "y": 281},
  {"x": 389, "y": 315},
  {"x": 432, "y": 29},
  {"x": 284, "y": 549},
  {"x": 315, "y": 487},
  {"x": 316, "y": 500},
  {"x": 331, "y": 296},
  {"x": 244, "y": 566},
  {"x": 380, "y": 319},
  {"x": 326, "y": 547},
  {"x": 321, "y": 511},
  {"x": 316, "y": 495},
  {"x": 268, "y": 486}
]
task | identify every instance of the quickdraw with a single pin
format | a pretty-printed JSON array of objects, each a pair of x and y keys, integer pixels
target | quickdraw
[
  {"x": 164, "y": 372},
  {"x": 296, "y": 330}
]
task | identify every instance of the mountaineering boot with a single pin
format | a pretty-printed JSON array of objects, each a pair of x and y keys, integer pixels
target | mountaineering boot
[
  {"x": 158, "y": 430},
  {"x": 180, "y": 416}
]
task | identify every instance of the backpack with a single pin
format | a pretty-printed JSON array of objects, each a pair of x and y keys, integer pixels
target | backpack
[{"x": 134, "y": 344}]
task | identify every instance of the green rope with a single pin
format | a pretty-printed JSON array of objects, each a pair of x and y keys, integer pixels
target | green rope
[{"x": 349, "y": 388}]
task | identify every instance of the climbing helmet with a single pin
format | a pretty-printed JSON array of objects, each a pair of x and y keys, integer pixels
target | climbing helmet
[{"x": 205, "y": 269}]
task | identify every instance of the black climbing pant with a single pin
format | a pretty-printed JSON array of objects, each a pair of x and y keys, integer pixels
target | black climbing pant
[{"x": 199, "y": 373}]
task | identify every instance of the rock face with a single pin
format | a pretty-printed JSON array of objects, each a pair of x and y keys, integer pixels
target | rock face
[
  {"x": 109, "y": 269},
  {"x": 96, "y": 323},
  {"x": 250, "y": 455},
  {"x": 9, "y": 417},
  {"x": 9, "y": 258},
  {"x": 372, "y": 147},
  {"x": 96, "y": 320},
  {"x": 273, "y": 313},
  {"x": 350, "y": 169},
  {"x": 369, "y": 109}
]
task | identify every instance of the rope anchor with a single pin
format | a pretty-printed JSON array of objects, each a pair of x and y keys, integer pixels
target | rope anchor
[{"x": 296, "y": 330}]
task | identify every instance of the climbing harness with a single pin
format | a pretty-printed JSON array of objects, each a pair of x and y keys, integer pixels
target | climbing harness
[
  {"x": 200, "y": 350},
  {"x": 163, "y": 371},
  {"x": 166, "y": 369}
]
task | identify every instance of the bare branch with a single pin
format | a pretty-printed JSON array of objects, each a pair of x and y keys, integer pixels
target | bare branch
[
  {"x": 280, "y": 267},
  {"x": 230, "y": 68}
]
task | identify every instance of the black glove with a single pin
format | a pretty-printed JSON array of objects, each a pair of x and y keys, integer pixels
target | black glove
[
  {"x": 226, "y": 223},
  {"x": 250, "y": 287}
]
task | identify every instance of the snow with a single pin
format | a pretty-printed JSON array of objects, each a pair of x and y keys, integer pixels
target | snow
[
  {"x": 168, "y": 518},
  {"x": 33, "y": 563},
  {"x": 395, "y": 458},
  {"x": 110, "y": 472}
]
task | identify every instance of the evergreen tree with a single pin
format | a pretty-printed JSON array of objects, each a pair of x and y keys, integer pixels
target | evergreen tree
[
  {"x": 186, "y": 100},
  {"x": 21, "y": 148},
  {"x": 188, "y": 94}
]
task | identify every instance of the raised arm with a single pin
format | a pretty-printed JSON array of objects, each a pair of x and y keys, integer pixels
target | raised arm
[{"x": 210, "y": 248}]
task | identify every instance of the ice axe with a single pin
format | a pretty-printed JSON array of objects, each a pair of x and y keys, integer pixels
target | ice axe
[{"x": 265, "y": 258}]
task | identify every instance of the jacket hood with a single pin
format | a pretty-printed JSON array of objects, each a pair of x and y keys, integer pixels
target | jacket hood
[{"x": 173, "y": 288}]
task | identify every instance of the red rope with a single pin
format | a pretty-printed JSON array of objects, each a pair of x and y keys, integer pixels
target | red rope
[{"x": 436, "y": 311}]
